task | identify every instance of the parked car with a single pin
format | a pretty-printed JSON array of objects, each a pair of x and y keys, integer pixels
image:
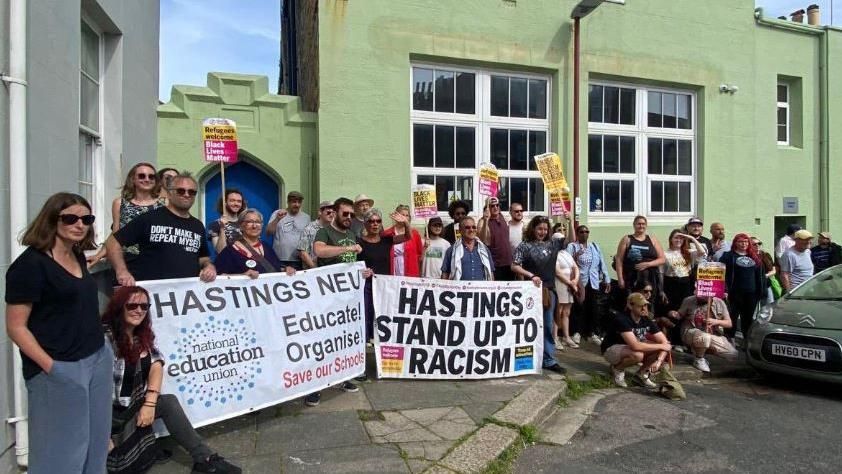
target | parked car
[{"x": 801, "y": 334}]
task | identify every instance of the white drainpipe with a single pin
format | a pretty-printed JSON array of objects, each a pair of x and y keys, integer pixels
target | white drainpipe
[{"x": 18, "y": 197}]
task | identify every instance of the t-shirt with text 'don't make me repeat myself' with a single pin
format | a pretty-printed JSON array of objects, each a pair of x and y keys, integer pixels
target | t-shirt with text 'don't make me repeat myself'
[{"x": 170, "y": 246}]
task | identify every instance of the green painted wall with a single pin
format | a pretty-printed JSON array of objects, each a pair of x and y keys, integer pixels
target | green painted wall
[
  {"x": 273, "y": 132},
  {"x": 365, "y": 50}
]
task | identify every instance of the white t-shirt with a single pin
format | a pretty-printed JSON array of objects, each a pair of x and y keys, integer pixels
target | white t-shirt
[
  {"x": 433, "y": 258},
  {"x": 515, "y": 234}
]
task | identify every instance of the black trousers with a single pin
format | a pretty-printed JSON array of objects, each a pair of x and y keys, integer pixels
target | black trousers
[
  {"x": 588, "y": 318},
  {"x": 504, "y": 273},
  {"x": 741, "y": 306},
  {"x": 170, "y": 411}
]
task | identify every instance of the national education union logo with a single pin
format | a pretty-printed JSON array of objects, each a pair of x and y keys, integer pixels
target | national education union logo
[{"x": 216, "y": 362}]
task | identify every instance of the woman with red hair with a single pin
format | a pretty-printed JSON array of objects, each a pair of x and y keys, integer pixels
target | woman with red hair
[
  {"x": 744, "y": 282},
  {"x": 137, "y": 398}
]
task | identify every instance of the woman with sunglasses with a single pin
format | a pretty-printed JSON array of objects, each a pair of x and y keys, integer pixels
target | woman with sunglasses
[
  {"x": 248, "y": 255},
  {"x": 139, "y": 195},
  {"x": 52, "y": 314},
  {"x": 137, "y": 401},
  {"x": 594, "y": 287},
  {"x": 535, "y": 260},
  {"x": 407, "y": 254}
]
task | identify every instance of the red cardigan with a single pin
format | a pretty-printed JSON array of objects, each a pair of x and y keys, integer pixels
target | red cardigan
[{"x": 413, "y": 249}]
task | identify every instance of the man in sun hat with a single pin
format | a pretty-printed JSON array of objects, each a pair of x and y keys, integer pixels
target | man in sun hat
[
  {"x": 494, "y": 233},
  {"x": 362, "y": 204}
]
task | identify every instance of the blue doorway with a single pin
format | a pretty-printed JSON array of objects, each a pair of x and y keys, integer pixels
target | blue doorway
[{"x": 259, "y": 190}]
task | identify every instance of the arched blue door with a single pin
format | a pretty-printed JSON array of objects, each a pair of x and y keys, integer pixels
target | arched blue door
[{"x": 259, "y": 190}]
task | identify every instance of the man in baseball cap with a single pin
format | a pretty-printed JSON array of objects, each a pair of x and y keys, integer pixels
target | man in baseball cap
[
  {"x": 694, "y": 228},
  {"x": 286, "y": 225},
  {"x": 305, "y": 243},
  {"x": 796, "y": 264},
  {"x": 826, "y": 254}
]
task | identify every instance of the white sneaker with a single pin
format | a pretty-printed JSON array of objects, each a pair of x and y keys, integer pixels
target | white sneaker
[
  {"x": 702, "y": 364},
  {"x": 679, "y": 348},
  {"x": 619, "y": 377},
  {"x": 595, "y": 339},
  {"x": 571, "y": 343},
  {"x": 577, "y": 338},
  {"x": 558, "y": 345},
  {"x": 643, "y": 380}
]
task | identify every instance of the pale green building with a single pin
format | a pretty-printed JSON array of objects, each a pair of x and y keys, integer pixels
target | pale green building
[{"x": 687, "y": 108}]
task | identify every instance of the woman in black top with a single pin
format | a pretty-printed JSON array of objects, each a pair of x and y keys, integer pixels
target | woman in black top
[
  {"x": 745, "y": 282},
  {"x": 639, "y": 257},
  {"x": 52, "y": 314},
  {"x": 138, "y": 373}
]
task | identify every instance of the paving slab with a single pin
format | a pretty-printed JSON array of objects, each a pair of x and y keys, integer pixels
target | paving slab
[
  {"x": 396, "y": 428},
  {"x": 310, "y": 431},
  {"x": 560, "y": 427},
  {"x": 417, "y": 466},
  {"x": 482, "y": 447},
  {"x": 406, "y": 394},
  {"x": 439, "y": 470},
  {"x": 480, "y": 411},
  {"x": 351, "y": 459},
  {"x": 533, "y": 404},
  {"x": 333, "y": 400},
  {"x": 429, "y": 450},
  {"x": 497, "y": 390},
  {"x": 232, "y": 438}
]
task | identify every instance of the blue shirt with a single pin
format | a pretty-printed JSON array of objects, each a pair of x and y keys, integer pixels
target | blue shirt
[
  {"x": 471, "y": 263},
  {"x": 591, "y": 264}
]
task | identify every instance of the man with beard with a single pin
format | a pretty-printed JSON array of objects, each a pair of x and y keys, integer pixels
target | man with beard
[
  {"x": 225, "y": 230},
  {"x": 494, "y": 233},
  {"x": 171, "y": 242},
  {"x": 287, "y": 225},
  {"x": 308, "y": 237},
  {"x": 716, "y": 245},
  {"x": 826, "y": 254},
  {"x": 694, "y": 228},
  {"x": 515, "y": 225},
  {"x": 336, "y": 243}
]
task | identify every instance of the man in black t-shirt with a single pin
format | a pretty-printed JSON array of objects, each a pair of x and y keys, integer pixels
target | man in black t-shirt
[
  {"x": 634, "y": 339},
  {"x": 171, "y": 241}
]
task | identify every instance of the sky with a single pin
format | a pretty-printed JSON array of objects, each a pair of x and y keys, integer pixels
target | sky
[{"x": 199, "y": 36}]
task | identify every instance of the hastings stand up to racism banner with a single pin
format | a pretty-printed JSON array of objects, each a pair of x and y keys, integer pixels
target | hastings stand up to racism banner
[
  {"x": 440, "y": 329},
  {"x": 236, "y": 344}
]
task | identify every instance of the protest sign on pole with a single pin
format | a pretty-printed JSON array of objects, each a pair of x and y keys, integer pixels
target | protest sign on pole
[
  {"x": 489, "y": 179},
  {"x": 239, "y": 344},
  {"x": 552, "y": 173},
  {"x": 710, "y": 280},
  {"x": 219, "y": 138},
  {"x": 424, "y": 201},
  {"x": 440, "y": 329}
]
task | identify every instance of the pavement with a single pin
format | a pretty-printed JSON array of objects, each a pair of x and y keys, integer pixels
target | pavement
[{"x": 400, "y": 426}]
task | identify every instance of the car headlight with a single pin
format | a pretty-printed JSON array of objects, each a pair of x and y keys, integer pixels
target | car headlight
[{"x": 764, "y": 314}]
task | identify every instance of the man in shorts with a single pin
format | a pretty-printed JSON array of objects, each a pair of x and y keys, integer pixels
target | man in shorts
[
  {"x": 703, "y": 331},
  {"x": 634, "y": 339}
]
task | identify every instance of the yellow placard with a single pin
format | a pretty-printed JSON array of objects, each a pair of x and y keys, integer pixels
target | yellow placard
[
  {"x": 549, "y": 165},
  {"x": 424, "y": 201}
]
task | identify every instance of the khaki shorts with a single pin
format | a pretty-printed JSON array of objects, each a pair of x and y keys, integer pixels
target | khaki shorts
[
  {"x": 614, "y": 354},
  {"x": 713, "y": 344}
]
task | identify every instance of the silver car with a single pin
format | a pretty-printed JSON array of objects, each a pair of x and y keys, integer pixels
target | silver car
[{"x": 801, "y": 334}]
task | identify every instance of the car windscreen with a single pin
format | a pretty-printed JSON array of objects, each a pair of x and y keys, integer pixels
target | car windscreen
[{"x": 827, "y": 285}]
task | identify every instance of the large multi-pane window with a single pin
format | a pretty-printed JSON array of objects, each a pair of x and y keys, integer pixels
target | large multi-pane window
[
  {"x": 462, "y": 118},
  {"x": 90, "y": 127},
  {"x": 641, "y": 151}
]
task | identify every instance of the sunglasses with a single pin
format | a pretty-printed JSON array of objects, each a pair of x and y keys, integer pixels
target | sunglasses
[
  {"x": 517, "y": 210},
  {"x": 493, "y": 205},
  {"x": 70, "y": 219},
  {"x": 646, "y": 291},
  {"x": 347, "y": 214},
  {"x": 134, "y": 306},
  {"x": 469, "y": 227},
  {"x": 144, "y": 176},
  {"x": 374, "y": 221},
  {"x": 185, "y": 191},
  {"x": 584, "y": 232}
]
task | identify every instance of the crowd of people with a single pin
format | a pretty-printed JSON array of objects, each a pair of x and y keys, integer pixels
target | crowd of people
[{"x": 100, "y": 376}]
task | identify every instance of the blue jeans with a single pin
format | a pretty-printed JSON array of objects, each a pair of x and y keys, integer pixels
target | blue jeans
[{"x": 549, "y": 343}]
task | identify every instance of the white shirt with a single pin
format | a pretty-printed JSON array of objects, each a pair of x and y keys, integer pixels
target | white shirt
[
  {"x": 784, "y": 244},
  {"x": 515, "y": 234}
]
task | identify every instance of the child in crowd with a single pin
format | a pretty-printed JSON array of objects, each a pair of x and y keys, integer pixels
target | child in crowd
[{"x": 435, "y": 247}]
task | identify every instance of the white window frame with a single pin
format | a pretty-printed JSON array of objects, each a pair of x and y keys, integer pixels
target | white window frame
[
  {"x": 100, "y": 210},
  {"x": 784, "y": 105},
  {"x": 641, "y": 177},
  {"x": 482, "y": 121}
]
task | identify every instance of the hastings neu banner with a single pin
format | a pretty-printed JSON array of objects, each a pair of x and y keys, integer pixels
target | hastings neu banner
[
  {"x": 440, "y": 329},
  {"x": 237, "y": 344}
]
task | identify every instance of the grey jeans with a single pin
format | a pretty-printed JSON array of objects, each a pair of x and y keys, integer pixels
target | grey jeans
[
  {"x": 70, "y": 415},
  {"x": 170, "y": 411}
]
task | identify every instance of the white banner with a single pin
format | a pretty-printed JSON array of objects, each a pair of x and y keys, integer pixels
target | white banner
[
  {"x": 237, "y": 344},
  {"x": 441, "y": 329}
]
